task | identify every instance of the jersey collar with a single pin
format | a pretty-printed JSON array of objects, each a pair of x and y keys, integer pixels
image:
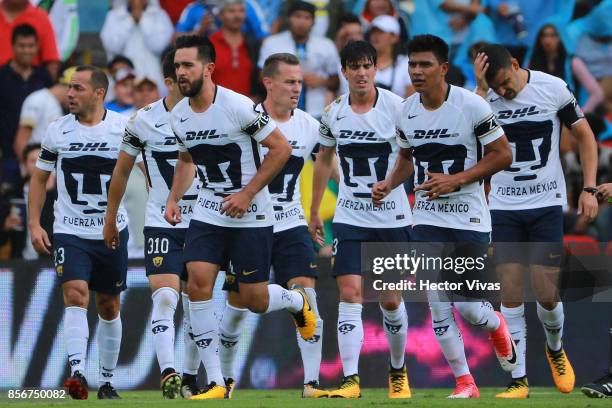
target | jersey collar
[
  {"x": 76, "y": 117},
  {"x": 375, "y": 99}
]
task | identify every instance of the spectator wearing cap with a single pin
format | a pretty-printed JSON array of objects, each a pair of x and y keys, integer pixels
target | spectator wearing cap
[
  {"x": 14, "y": 13},
  {"x": 114, "y": 65},
  {"x": 39, "y": 109},
  {"x": 370, "y": 9},
  {"x": 140, "y": 29},
  {"x": 145, "y": 92},
  {"x": 18, "y": 79},
  {"x": 124, "y": 93},
  {"x": 318, "y": 57},
  {"x": 201, "y": 18},
  {"x": 236, "y": 53}
]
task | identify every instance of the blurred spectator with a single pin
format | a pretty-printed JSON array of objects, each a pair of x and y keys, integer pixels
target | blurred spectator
[
  {"x": 596, "y": 52},
  {"x": 460, "y": 15},
  {"x": 272, "y": 11},
  {"x": 392, "y": 72},
  {"x": 236, "y": 52},
  {"x": 118, "y": 62},
  {"x": 39, "y": 109},
  {"x": 327, "y": 14},
  {"x": 124, "y": 93},
  {"x": 17, "y": 12},
  {"x": 549, "y": 55},
  {"x": 13, "y": 210},
  {"x": 374, "y": 8},
  {"x": 64, "y": 15},
  {"x": 174, "y": 8},
  {"x": 317, "y": 55},
  {"x": 19, "y": 78},
  {"x": 200, "y": 18},
  {"x": 349, "y": 29},
  {"x": 140, "y": 29},
  {"x": 145, "y": 92},
  {"x": 517, "y": 21}
]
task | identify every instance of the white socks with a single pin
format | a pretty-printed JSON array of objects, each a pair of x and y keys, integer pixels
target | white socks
[
  {"x": 191, "y": 362},
  {"x": 280, "y": 298},
  {"x": 76, "y": 335},
  {"x": 395, "y": 323},
  {"x": 206, "y": 337},
  {"x": 350, "y": 336},
  {"x": 515, "y": 319},
  {"x": 311, "y": 349},
  {"x": 109, "y": 342},
  {"x": 162, "y": 325},
  {"x": 230, "y": 329},
  {"x": 479, "y": 314},
  {"x": 449, "y": 337},
  {"x": 552, "y": 320}
]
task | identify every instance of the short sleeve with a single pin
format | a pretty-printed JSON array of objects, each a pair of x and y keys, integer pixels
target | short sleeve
[
  {"x": 326, "y": 137},
  {"x": 400, "y": 135},
  {"x": 257, "y": 125},
  {"x": 486, "y": 128},
  {"x": 132, "y": 142},
  {"x": 48, "y": 151},
  {"x": 568, "y": 110},
  {"x": 30, "y": 112}
]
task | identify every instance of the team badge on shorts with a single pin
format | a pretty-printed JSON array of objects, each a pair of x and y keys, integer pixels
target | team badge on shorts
[
  {"x": 157, "y": 261},
  {"x": 230, "y": 279},
  {"x": 59, "y": 270}
]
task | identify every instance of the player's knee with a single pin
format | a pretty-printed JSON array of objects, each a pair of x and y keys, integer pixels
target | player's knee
[
  {"x": 350, "y": 294},
  {"x": 198, "y": 291},
  {"x": 75, "y": 297},
  {"x": 258, "y": 305},
  {"x": 391, "y": 304},
  {"x": 108, "y": 306},
  {"x": 548, "y": 305}
]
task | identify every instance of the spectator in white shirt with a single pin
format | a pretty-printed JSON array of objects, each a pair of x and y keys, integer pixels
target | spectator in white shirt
[
  {"x": 318, "y": 57},
  {"x": 140, "y": 29},
  {"x": 39, "y": 109}
]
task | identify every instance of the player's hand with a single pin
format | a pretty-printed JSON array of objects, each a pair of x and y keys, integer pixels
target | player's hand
[
  {"x": 380, "y": 190},
  {"x": 40, "y": 240},
  {"x": 110, "y": 233},
  {"x": 481, "y": 65},
  {"x": 315, "y": 227},
  {"x": 173, "y": 212},
  {"x": 587, "y": 206},
  {"x": 235, "y": 205},
  {"x": 438, "y": 184},
  {"x": 604, "y": 192}
]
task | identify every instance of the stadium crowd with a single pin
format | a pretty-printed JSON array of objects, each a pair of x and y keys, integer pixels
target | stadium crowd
[{"x": 40, "y": 41}]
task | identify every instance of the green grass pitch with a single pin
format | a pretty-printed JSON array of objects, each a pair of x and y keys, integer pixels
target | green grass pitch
[{"x": 431, "y": 398}]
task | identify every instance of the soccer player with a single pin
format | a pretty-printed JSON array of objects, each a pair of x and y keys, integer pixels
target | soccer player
[
  {"x": 359, "y": 127},
  {"x": 526, "y": 198},
  {"x": 148, "y": 133},
  {"x": 442, "y": 127},
  {"x": 293, "y": 257},
  {"x": 219, "y": 132},
  {"x": 82, "y": 149}
]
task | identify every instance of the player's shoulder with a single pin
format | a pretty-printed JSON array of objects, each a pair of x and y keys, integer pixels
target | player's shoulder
[
  {"x": 466, "y": 101},
  {"x": 410, "y": 102},
  {"x": 66, "y": 122},
  {"x": 335, "y": 106},
  {"x": 225, "y": 98},
  {"x": 305, "y": 117},
  {"x": 550, "y": 83},
  {"x": 115, "y": 120},
  {"x": 386, "y": 98}
]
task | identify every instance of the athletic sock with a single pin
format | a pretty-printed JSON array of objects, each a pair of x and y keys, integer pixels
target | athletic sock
[
  {"x": 109, "y": 343},
  {"x": 395, "y": 323},
  {"x": 76, "y": 335},
  {"x": 162, "y": 325},
  {"x": 350, "y": 336}
]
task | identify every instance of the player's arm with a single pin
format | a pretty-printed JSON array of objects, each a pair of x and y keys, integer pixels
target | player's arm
[
  {"x": 119, "y": 180},
  {"x": 24, "y": 133},
  {"x": 402, "y": 170},
  {"x": 235, "y": 205},
  {"x": 182, "y": 180},
  {"x": 36, "y": 199},
  {"x": 587, "y": 147},
  {"x": 323, "y": 170}
]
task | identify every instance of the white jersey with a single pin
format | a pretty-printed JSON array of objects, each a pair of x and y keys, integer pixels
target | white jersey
[
  {"x": 301, "y": 131},
  {"x": 532, "y": 123},
  {"x": 449, "y": 140},
  {"x": 149, "y": 132},
  {"x": 83, "y": 158},
  {"x": 224, "y": 144},
  {"x": 367, "y": 150}
]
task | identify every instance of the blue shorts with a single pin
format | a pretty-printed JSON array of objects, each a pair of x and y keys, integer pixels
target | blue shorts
[
  {"x": 431, "y": 233},
  {"x": 543, "y": 226},
  {"x": 248, "y": 249},
  {"x": 347, "y": 242},
  {"x": 164, "y": 251},
  {"x": 104, "y": 269},
  {"x": 293, "y": 256}
]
